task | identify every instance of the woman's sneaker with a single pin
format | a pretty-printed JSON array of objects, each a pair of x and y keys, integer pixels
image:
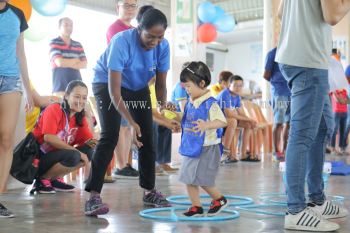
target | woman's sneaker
[
  {"x": 217, "y": 206},
  {"x": 5, "y": 213},
  {"x": 308, "y": 220},
  {"x": 94, "y": 207},
  {"x": 194, "y": 211},
  {"x": 59, "y": 185},
  {"x": 155, "y": 199},
  {"x": 43, "y": 186},
  {"x": 329, "y": 210}
]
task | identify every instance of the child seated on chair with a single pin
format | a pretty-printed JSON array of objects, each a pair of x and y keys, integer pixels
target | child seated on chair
[
  {"x": 201, "y": 124},
  {"x": 230, "y": 102}
]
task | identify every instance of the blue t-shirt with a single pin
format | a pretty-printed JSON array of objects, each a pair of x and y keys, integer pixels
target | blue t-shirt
[
  {"x": 347, "y": 71},
  {"x": 179, "y": 93},
  {"x": 124, "y": 54},
  {"x": 12, "y": 24},
  {"x": 279, "y": 85},
  {"x": 226, "y": 100}
]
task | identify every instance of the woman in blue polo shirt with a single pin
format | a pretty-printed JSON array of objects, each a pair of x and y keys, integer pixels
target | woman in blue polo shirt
[
  {"x": 120, "y": 86},
  {"x": 13, "y": 72}
]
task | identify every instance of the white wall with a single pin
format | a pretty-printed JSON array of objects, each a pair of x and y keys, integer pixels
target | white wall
[
  {"x": 245, "y": 59},
  {"x": 219, "y": 64},
  {"x": 89, "y": 32}
]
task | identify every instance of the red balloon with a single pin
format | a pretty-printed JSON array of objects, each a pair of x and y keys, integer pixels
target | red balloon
[{"x": 206, "y": 33}]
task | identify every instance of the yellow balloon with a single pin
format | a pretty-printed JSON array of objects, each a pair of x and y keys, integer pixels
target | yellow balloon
[{"x": 24, "y": 5}]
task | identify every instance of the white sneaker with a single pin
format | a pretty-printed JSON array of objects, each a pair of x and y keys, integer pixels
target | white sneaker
[
  {"x": 329, "y": 210},
  {"x": 309, "y": 220}
]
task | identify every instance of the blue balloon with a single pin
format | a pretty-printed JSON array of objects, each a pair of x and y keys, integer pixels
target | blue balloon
[
  {"x": 207, "y": 12},
  {"x": 225, "y": 23},
  {"x": 49, "y": 7},
  {"x": 219, "y": 12}
]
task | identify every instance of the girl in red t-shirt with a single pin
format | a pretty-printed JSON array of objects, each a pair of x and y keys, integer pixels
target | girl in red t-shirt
[{"x": 65, "y": 140}]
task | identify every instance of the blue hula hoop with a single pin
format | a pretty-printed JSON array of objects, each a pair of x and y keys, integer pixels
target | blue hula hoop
[
  {"x": 174, "y": 218},
  {"x": 242, "y": 200},
  {"x": 258, "y": 209},
  {"x": 267, "y": 198}
]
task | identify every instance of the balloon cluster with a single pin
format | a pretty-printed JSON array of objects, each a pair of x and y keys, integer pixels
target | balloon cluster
[
  {"x": 35, "y": 12},
  {"x": 213, "y": 19}
]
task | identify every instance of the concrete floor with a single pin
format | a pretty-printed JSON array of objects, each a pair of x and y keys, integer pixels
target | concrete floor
[{"x": 62, "y": 212}]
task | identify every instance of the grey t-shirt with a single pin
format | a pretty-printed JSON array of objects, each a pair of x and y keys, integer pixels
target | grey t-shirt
[{"x": 305, "y": 39}]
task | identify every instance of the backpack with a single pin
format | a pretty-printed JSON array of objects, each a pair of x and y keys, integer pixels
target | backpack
[{"x": 25, "y": 162}]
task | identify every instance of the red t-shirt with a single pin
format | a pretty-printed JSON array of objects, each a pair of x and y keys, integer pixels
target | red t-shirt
[
  {"x": 53, "y": 121},
  {"x": 338, "y": 107},
  {"x": 117, "y": 26}
]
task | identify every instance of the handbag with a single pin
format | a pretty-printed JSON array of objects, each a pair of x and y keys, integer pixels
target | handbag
[{"x": 25, "y": 162}]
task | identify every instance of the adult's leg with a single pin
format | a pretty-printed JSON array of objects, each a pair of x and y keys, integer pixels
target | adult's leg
[
  {"x": 315, "y": 158},
  {"x": 120, "y": 148},
  {"x": 9, "y": 111},
  {"x": 110, "y": 122},
  {"x": 140, "y": 108},
  {"x": 309, "y": 93},
  {"x": 276, "y": 133},
  {"x": 342, "y": 131},
  {"x": 335, "y": 130},
  {"x": 164, "y": 145},
  {"x": 89, "y": 152},
  {"x": 58, "y": 163},
  {"x": 285, "y": 136}
]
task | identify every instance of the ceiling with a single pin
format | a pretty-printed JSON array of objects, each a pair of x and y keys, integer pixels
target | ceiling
[
  {"x": 108, "y": 6},
  {"x": 247, "y": 13},
  {"x": 242, "y": 10}
]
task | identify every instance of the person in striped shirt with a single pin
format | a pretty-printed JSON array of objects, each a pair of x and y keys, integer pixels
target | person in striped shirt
[{"x": 67, "y": 57}]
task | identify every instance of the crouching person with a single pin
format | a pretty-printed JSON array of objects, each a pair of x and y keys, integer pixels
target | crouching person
[{"x": 65, "y": 140}]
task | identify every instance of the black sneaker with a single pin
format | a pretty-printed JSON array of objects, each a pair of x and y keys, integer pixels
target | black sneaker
[
  {"x": 136, "y": 172},
  {"x": 5, "y": 213},
  {"x": 43, "y": 186},
  {"x": 61, "y": 186},
  {"x": 194, "y": 211},
  {"x": 217, "y": 206},
  {"x": 94, "y": 207},
  {"x": 126, "y": 173},
  {"x": 155, "y": 199}
]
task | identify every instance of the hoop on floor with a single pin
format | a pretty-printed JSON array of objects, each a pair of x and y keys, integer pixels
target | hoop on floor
[
  {"x": 258, "y": 209},
  {"x": 174, "y": 218},
  {"x": 179, "y": 200},
  {"x": 268, "y": 198}
]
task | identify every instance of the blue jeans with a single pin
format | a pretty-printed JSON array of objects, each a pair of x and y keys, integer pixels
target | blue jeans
[
  {"x": 311, "y": 126},
  {"x": 10, "y": 84},
  {"x": 340, "y": 124}
]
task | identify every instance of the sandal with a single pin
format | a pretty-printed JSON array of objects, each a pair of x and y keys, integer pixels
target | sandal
[{"x": 250, "y": 159}]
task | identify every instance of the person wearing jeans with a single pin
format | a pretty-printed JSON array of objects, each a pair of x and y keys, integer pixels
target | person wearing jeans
[{"x": 303, "y": 54}]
